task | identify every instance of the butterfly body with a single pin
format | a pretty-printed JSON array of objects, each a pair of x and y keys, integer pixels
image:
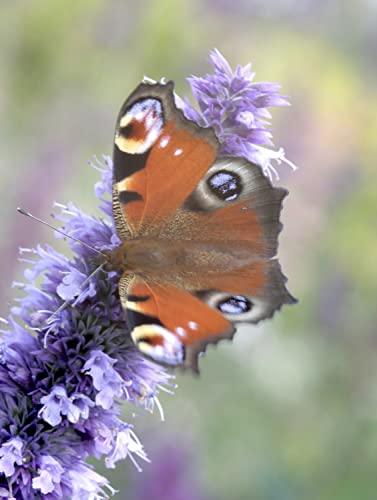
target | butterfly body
[
  {"x": 172, "y": 256},
  {"x": 199, "y": 232}
]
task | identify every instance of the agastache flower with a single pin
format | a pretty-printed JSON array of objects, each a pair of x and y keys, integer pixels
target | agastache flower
[
  {"x": 57, "y": 404},
  {"x": 50, "y": 473},
  {"x": 66, "y": 358},
  {"x": 60, "y": 385},
  {"x": 236, "y": 108},
  {"x": 106, "y": 380},
  {"x": 10, "y": 454}
]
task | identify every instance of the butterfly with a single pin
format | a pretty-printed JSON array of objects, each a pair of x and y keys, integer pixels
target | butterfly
[{"x": 199, "y": 232}]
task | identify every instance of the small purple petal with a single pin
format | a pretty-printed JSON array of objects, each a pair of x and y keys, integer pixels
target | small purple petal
[
  {"x": 6, "y": 494},
  {"x": 11, "y": 454},
  {"x": 88, "y": 484},
  {"x": 105, "y": 378},
  {"x": 50, "y": 472},
  {"x": 125, "y": 444},
  {"x": 78, "y": 407},
  {"x": 52, "y": 405},
  {"x": 58, "y": 404}
]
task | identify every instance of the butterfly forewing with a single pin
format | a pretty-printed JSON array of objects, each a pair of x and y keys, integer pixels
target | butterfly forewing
[{"x": 159, "y": 158}]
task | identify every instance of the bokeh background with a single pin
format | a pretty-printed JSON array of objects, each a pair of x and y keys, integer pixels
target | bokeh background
[{"x": 289, "y": 410}]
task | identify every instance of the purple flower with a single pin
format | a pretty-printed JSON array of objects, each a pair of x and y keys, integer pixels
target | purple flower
[
  {"x": 125, "y": 443},
  {"x": 11, "y": 454},
  {"x": 50, "y": 473},
  {"x": 58, "y": 404},
  {"x": 71, "y": 286},
  {"x": 171, "y": 476},
  {"x": 88, "y": 484},
  {"x": 236, "y": 108},
  {"x": 106, "y": 380}
]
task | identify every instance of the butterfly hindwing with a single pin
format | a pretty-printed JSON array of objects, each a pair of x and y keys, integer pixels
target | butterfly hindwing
[
  {"x": 174, "y": 319},
  {"x": 169, "y": 324},
  {"x": 249, "y": 294}
]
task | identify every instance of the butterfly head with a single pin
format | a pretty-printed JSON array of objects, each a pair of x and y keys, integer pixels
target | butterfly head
[{"x": 115, "y": 260}]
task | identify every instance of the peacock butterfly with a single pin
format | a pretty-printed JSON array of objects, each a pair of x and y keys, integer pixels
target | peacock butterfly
[{"x": 199, "y": 232}]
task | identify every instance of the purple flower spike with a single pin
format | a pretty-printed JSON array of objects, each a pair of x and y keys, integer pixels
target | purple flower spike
[
  {"x": 236, "y": 108},
  {"x": 65, "y": 370},
  {"x": 60, "y": 389}
]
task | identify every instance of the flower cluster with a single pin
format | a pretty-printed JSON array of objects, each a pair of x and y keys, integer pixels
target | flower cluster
[
  {"x": 60, "y": 385},
  {"x": 65, "y": 369},
  {"x": 236, "y": 108}
]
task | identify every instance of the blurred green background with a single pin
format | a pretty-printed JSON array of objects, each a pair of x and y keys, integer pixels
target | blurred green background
[{"x": 288, "y": 411}]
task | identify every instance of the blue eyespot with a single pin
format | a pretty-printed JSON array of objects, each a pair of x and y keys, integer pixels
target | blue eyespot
[
  {"x": 225, "y": 185},
  {"x": 237, "y": 304}
]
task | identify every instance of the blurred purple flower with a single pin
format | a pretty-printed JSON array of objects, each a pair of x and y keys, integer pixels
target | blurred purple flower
[
  {"x": 236, "y": 108},
  {"x": 171, "y": 476}
]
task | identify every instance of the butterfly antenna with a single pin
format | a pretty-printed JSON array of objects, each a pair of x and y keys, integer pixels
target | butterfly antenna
[{"x": 28, "y": 214}]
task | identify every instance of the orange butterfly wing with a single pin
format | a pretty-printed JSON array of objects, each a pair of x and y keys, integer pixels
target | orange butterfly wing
[
  {"x": 171, "y": 325},
  {"x": 159, "y": 158}
]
